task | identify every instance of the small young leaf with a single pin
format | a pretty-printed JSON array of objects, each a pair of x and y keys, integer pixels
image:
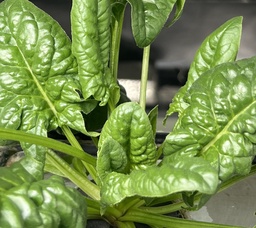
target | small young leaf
[
  {"x": 148, "y": 19},
  {"x": 219, "y": 123},
  {"x": 129, "y": 129},
  {"x": 118, "y": 9},
  {"x": 219, "y": 47},
  {"x": 112, "y": 158}
]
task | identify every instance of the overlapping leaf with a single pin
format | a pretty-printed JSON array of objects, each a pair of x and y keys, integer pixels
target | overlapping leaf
[
  {"x": 219, "y": 47},
  {"x": 37, "y": 72},
  {"x": 25, "y": 202},
  {"x": 127, "y": 161},
  {"x": 219, "y": 123},
  {"x": 182, "y": 175},
  {"x": 128, "y": 135}
]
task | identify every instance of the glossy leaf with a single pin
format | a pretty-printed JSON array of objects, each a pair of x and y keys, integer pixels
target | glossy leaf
[
  {"x": 148, "y": 19},
  {"x": 219, "y": 123},
  {"x": 39, "y": 90},
  {"x": 45, "y": 203},
  {"x": 127, "y": 134},
  {"x": 91, "y": 46},
  {"x": 219, "y": 47},
  {"x": 111, "y": 158},
  {"x": 192, "y": 174},
  {"x": 127, "y": 158}
]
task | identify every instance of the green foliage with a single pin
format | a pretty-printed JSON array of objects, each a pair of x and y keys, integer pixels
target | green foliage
[
  {"x": 221, "y": 46},
  {"x": 127, "y": 158},
  {"x": 91, "y": 45},
  {"x": 25, "y": 202},
  {"x": 149, "y": 17},
  {"x": 38, "y": 72},
  {"x": 49, "y": 83},
  {"x": 129, "y": 129},
  {"x": 219, "y": 123},
  {"x": 180, "y": 175}
]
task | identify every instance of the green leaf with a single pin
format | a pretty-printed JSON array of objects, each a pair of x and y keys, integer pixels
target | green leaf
[
  {"x": 128, "y": 132},
  {"x": 219, "y": 47},
  {"x": 35, "y": 159},
  {"x": 188, "y": 174},
  {"x": 178, "y": 11},
  {"x": 91, "y": 45},
  {"x": 153, "y": 115},
  {"x": 45, "y": 203},
  {"x": 10, "y": 179},
  {"x": 118, "y": 9},
  {"x": 149, "y": 17},
  {"x": 219, "y": 123},
  {"x": 111, "y": 158},
  {"x": 39, "y": 90}
]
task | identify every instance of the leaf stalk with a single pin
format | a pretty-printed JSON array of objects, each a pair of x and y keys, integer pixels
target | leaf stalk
[{"x": 144, "y": 76}]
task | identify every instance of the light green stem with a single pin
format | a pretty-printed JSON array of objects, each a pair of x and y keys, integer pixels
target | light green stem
[
  {"x": 116, "y": 32},
  {"x": 73, "y": 141},
  {"x": 115, "y": 44},
  {"x": 18, "y": 135},
  {"x": 144, "y": 76},
  {"x": 125, "y": 224},
  {"x": 137, "y": 215},
  {"x": 78, "y": 179}
]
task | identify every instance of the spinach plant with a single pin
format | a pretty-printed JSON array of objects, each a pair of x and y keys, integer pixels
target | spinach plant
[{"x": 48, "y": 83}]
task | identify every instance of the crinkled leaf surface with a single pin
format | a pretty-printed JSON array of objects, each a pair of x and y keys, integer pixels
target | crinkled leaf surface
[
  {"x": 181, "y": 175},
  {"x": 219, "y": 123},
  {"x": 127, "y": 161},
  {"x": 91, "y": 45},
  {"x": 112, "y": 158},
  {"x": 39, "y": 90},
  {"x": 127, "y": 140},
  {"x": 25, "y": 202},
  {"x": 149, "y": 17},
  {"x": 219, "y": 47}
]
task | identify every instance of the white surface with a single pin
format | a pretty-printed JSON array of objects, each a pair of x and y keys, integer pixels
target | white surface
[{"x": 234, "y": 206}]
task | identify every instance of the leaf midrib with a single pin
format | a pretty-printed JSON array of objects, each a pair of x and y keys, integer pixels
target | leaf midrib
[
  {"x": 38, "y": 85},
  {"x": 225, "y": 129}
]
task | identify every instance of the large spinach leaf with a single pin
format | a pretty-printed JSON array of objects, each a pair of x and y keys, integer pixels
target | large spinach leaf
[
  {"x": 219, "y": 47},
  {"x": 91, "y": 46},
  {"x": 192, "y": 174},
  {"x": 39, "y": 90},
  {"x": 219, "y": 123},
  {"x": 25, "y": 202}
]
